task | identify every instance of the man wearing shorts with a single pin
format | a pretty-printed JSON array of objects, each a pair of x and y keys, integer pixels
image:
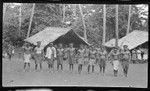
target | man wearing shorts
[
  {"x": 39, "y": 55},
  {"x": 92, "y": 61},
  {"x": 115, "y": 59},
  {"x": 81, "y": 52},
  {"x": 49, "y": 57},
  {"x": 27, "y": 56},
  {"x": 103, "y": 58},
  {"x": 71, "y": 56},
  {"x": 125, "y": 59},
  {"x": 60, "y": 54}
]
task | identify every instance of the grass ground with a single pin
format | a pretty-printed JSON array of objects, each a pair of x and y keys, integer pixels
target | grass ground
[{"x": 14, "y": 75}]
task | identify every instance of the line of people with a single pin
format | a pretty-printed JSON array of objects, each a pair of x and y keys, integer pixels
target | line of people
[{"x": 85, "y": 55}]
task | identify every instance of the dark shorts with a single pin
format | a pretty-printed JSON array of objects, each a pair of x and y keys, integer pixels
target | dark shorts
[
  {"x": 60, "y": 60},
  {"x": 71, "y": 60},
  {"x": 102, "y": 62},
  {"x": 38, "y": 58},
  {"x": 49, "y": 61},
  {"x": 125, "y": 63}
]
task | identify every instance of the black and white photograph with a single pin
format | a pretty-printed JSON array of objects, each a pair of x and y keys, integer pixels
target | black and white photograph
[{"x": 79, "y": 45}]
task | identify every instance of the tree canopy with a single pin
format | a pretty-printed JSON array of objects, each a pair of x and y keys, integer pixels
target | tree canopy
[{"x": 51, "y": 15}]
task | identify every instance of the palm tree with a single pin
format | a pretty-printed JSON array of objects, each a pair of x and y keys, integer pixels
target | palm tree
[
  {"x": 63, "y": 21},
  {"x": 4, "y": 10},
  {"x": 20, "y": 14},
  {"x": 128, "y": 26},
  {"x": 85, "y": 35},
  {"x": 31, "y": 19},
  {"x": 116, "y": 44},
  {"x": 104, "y": 23},
  {"x": 63, "y": 12}
]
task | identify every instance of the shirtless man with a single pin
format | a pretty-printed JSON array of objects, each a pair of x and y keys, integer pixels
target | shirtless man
[
  {"x": 60, "y": 55},
  {"x": 86, "y": 55},
  {"x": 49, "y": 57},
  {"x": 125, "y": 59},
  {"x": 81, "y": 52},
  {"x": 114, "y": 54},
  {"x": 92, "y": 59},
  {"x": 27, "y": 55},
  {"x": 39, "y": 55},
  {"x": 103, "y": 58},
  {"x": 71, "y": 52}
]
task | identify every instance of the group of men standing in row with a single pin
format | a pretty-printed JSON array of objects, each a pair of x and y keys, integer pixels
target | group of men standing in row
[{"x": 85, "y": 55}]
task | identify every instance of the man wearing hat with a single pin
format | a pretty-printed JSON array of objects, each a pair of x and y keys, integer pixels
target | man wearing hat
[
  {"x": 126, "y": 57},
  {"x": 114, "y": 54}
]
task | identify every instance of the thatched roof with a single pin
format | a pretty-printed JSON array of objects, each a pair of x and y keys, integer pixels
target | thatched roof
[
  {"x": 54, "y": 34},
  {"x": 133, "y": 39}
]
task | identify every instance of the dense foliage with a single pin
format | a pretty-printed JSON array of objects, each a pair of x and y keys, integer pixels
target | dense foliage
[{"x": 51, "y": 15}]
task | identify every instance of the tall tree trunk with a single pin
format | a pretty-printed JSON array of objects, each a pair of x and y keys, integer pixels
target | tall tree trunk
[
  {"x": 75, "y": 16},
  {"x": 104, "y": 24},
  {"x": 63, "y": 14},
  {"x": 20, "y": 14},
  {"x": 4, "y": 11},
  {"x": 85, "y": 35},
  {"x": 31, "y": 19},
  {"x": 128, "y": 26},
  {"x": 74, "y": 11},
  {"x": 116, "y": 43}
]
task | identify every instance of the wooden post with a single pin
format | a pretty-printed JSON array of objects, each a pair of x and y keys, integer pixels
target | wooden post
[
  {"x": 104, "y": 23},
  {"x": 85, "y": 36},
  {"x": 31, "y": 19},
  {"x": 128, "y": 27},
  {"x": 116, "y": 44}
]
